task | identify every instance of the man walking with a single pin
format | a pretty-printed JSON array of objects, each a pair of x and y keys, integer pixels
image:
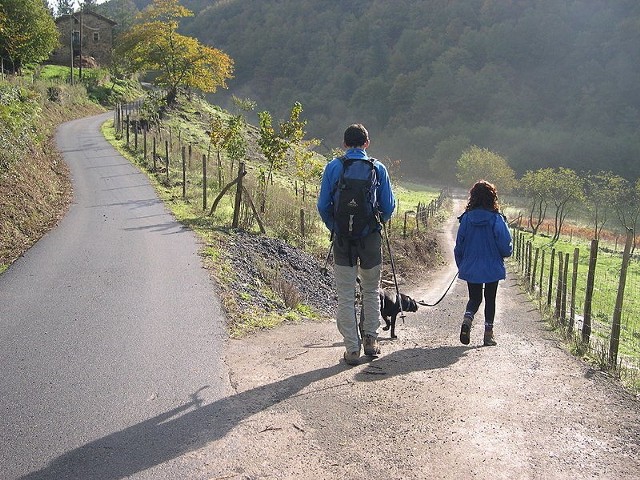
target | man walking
[{"x": 355, "y": 197}]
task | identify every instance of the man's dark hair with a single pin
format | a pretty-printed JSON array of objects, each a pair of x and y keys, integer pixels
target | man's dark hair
[{"x": 355, "y": 135}]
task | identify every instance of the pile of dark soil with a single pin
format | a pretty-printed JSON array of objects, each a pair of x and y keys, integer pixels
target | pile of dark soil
[{"x": 294, "y": 275}]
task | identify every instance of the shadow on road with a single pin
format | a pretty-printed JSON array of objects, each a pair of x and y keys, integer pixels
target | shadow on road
[
  {"x": 192, "y": 425},
  {"x": 411, "y": 360}
]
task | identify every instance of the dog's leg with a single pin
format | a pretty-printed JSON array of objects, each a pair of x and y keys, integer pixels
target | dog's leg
[
  {"x": 393, "y": 326},
  {"x": 387, "y": 322}
]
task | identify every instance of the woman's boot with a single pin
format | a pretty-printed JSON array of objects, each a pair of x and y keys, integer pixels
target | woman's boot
[
  {"x": 489, "y": 341},
  {"x": 465, "y": 330}
]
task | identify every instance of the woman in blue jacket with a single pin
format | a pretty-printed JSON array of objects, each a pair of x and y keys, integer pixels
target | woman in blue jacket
[{"x": 482, "y": 243}]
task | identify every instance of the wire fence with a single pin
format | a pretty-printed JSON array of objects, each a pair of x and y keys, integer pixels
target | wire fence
[
  {"x": 593, "y": 294},
  {"x": 204, "y": 175}
]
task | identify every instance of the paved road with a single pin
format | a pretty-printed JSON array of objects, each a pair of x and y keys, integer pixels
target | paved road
[{"x": 111, "y": 340}]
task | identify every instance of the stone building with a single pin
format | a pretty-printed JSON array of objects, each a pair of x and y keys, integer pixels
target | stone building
[{"x": 86, "y": 33}]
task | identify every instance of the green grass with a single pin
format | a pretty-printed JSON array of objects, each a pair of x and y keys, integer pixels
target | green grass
[
  {"x": 606, "y": 285},
  {"x": 53, "y": 72},
  {"x": 408, "y": 196},
  {"x": 101, "y": 86}
]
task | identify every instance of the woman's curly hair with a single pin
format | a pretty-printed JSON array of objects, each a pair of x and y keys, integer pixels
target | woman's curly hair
[{"x": 483, "y": 195}]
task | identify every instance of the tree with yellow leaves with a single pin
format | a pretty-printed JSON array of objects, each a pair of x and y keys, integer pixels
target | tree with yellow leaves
[
  {"x": 154, "y": 44},
  {"x": 477, "y": 163}
]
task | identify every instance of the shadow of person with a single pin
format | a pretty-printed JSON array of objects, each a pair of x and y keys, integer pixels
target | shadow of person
[
  {"x": 180, "y": 430},
  {"x": 192, "y": 425},
  {"x": 403, "y": 362}
]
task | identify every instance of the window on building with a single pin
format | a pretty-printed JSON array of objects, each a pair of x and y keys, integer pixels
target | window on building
[{"x": 96, "y": 37}]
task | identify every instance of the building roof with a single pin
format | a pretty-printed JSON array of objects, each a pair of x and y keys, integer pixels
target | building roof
[{"x": 76, "y": 15}]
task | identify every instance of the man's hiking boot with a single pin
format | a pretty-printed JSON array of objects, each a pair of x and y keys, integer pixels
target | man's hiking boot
[
  {"x": 371, "y": 346},
  {"x": 352, "y": 358},
  {"x": 489, "y": 341},
  {"x": 465, "y": 330}
]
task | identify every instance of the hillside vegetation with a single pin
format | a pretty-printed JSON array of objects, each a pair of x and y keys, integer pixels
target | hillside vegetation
[{"x": 543, "y": 83}]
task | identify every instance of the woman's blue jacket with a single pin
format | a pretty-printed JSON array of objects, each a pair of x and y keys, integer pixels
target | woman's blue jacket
[{"x": 482, "y": 243}]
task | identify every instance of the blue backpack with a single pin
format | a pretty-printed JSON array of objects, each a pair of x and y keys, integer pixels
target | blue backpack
[{"x": 355, "y": 202}]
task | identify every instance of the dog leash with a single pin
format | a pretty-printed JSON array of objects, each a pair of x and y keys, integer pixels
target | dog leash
[
  {"x": 393, "y": 271},
  {"x": 422, "y": 302}
]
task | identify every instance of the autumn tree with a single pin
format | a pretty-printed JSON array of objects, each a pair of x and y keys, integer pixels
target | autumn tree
[
  {"x": 478, "y": 163},
  {"x": 565, "y": 188},
  {"x": 154, "y": 44},
  {"x": 598, "y": 189},
  {"x": 28, "y": 33},
  {"x": 535, "y": 186},
  {"x": 308, "y": 166},
  {"x": 217, "y": 133},
  {"x": 275, "y": 144},
  {"x": 625, "y": 198},
  {"x": 235, "y": 142},
  {"x": 274, "y": 147}
]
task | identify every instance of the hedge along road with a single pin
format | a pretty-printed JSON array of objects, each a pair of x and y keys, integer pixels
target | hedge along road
[{"x": 111, "y": 333}]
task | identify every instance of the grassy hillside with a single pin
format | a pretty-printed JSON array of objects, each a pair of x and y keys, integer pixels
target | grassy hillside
[{"x": 543, "y": 83}]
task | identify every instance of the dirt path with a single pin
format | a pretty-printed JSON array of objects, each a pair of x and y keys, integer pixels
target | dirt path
[{"x": 428, "y": 407}]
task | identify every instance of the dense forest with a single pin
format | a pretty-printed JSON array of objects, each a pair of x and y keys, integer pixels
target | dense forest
[{"x": 544, "y": 83}]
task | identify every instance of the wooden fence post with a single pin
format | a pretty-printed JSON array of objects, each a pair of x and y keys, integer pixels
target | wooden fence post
[
  {"x": 528, "y": 265},
  {"x": 184, "y": 173},
  {"x": 204, "y": 182},
  {"x": 523, "y": 253},
  {"x": 236, "y": 206},
  {"x": 550, "y": 286},
  {"x": 556, "y": 312},
  {"x": 219, "y": 163},
  {"x": 565, "y": 286},
  {"x": 544, "y": 254},
  {"x": 116, "y": 117},
  {"x": 574, "y": 281},
  {"x": 534, "y": 270},
  {"x": 166, "y": 160},
  {"x": 404, "y": 227},
  {"x": 614, "y": 341},
  {"x": 588, "y": 297}
]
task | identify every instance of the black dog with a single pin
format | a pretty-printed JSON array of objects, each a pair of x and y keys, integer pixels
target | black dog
[{"x": 389, "y": 308}]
